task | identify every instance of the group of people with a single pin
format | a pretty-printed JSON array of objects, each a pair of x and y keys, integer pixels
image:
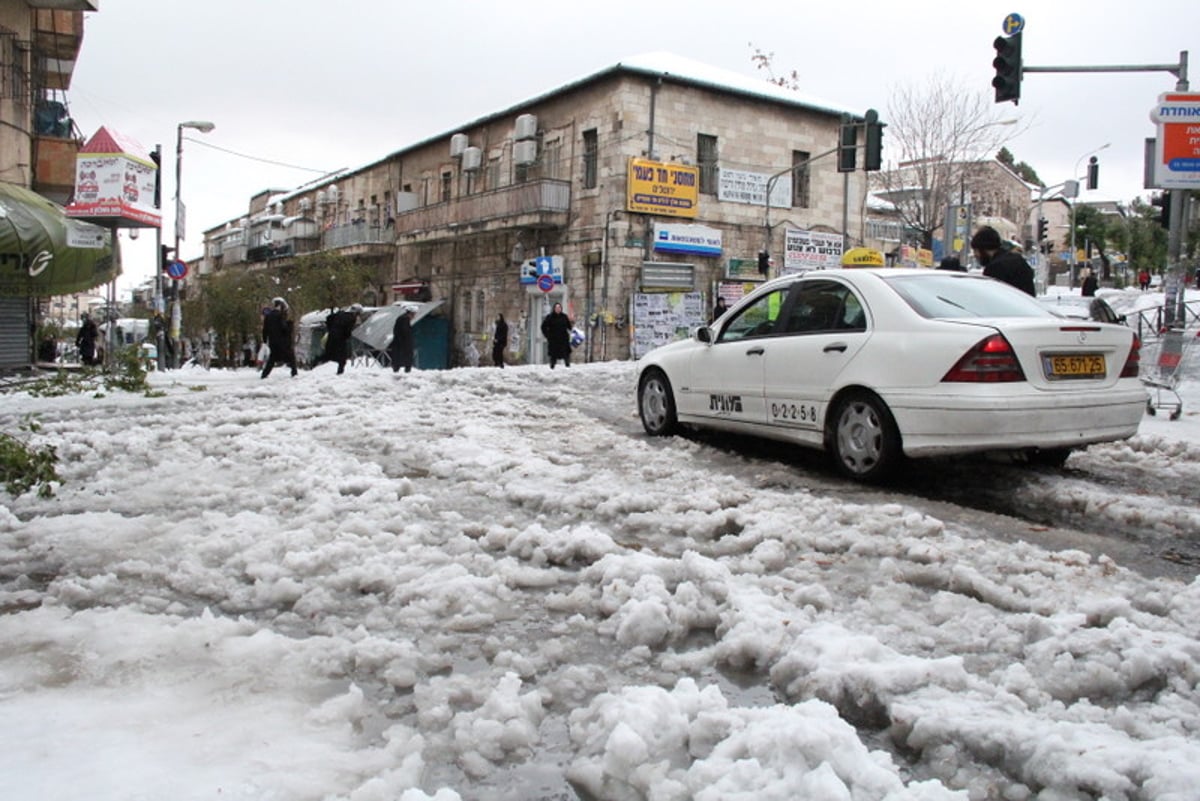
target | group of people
[{"x": 277, "y": 337}]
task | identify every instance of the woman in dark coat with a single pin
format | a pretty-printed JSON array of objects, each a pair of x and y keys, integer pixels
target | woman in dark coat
[
  {"x": 499, "y": 341},
  {"x": 556, "y": 328},
  {"x": 401, "y": 348}
]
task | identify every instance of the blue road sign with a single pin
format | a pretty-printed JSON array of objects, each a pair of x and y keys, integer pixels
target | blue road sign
[
  {"x": 1013, "y": 24},
  {"x": 177, "y": 269},
  {"x": 545, "y": 282}
]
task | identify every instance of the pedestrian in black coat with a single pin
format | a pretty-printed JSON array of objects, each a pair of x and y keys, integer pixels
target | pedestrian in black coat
[
  {"x": 277, "y": 333},
  {"x": 1003, "y": 265},
  {"x": 556, "y": 328},
  {"x": 1088, "y": 288},
  {"x": 499, "y": 341},
  {"x": 338, "y": 327},
  {"x": 401, "y": 348},
  {"x": 85, "y": 340}
]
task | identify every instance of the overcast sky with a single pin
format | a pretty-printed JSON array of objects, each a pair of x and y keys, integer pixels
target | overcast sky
[{"x": 323, "y": 86}]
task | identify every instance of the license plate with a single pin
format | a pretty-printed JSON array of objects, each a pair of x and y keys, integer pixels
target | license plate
[{"x": 1075, "y": 365}]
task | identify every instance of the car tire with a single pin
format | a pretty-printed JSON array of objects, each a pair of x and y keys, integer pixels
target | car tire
[
  {"x": 1048, "y": 457},
  {"x": 863, "y": 439},
  {"x": 656, "y": 404}
]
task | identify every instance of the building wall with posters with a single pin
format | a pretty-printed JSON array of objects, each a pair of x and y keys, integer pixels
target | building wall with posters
[{"x": 466, "y": 215}]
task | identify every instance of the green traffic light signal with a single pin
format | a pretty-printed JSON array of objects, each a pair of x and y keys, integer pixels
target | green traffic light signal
[{"x": 1008, "y": 68}]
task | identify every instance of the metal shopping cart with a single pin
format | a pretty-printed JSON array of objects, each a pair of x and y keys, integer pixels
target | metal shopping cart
[{"x": 1163, "y": 376}]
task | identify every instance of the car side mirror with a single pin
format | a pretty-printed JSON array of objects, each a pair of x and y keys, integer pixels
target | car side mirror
[{"x": 704, "y": 334}]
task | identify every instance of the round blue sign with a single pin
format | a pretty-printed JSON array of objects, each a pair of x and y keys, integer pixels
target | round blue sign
[
  {"x": 545, "y": 282},
  {"x": 177, "y": 269},
  {"x": 1013, "y": 24}
]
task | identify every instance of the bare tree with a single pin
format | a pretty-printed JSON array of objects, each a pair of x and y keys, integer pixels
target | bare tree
[{"x": 936, "y": 130}]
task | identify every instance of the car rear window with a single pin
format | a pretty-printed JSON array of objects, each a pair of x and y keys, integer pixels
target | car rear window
[{"x": 949, "y": 296}]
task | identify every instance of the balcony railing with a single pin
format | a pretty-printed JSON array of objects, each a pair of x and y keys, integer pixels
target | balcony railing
[
  {"x": 346, "y": 236},
  {"x": 512, "y": 204}
]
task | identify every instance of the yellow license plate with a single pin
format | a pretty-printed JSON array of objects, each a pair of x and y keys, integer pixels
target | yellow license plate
[{"x": 1076, "y": 365}]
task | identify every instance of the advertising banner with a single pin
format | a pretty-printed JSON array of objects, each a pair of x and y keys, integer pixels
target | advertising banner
[
  {"x": 114, "y": 183},
  {"x": 810, "y": 250},
  {"x": 655, "y": 187},
  {"x": 1177, "y": 148}
]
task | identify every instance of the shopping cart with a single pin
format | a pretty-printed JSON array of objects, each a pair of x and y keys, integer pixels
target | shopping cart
[{"x": 1163, "y": 376}]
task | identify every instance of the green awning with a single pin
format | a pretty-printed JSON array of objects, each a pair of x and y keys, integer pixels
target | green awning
[{"x": 43, "y": 252}]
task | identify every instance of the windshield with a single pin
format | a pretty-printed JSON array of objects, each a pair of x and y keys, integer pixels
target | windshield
[{"x": 939, "y": 296}]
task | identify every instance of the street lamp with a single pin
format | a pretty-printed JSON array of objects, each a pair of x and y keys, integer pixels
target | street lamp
[
  {"x": 1075, "y": 201},
  {"x": 203, "y": 126}
]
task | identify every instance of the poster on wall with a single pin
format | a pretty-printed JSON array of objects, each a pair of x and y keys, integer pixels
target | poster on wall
[
  {"x": 810, "y": 250},
  {"x": 660, "y": 318},
  {"x": 740, "y": 186}
]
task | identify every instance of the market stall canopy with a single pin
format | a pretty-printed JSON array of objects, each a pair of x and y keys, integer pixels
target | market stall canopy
[
  {"x": 43, "y": 252},
  {"x": 376, "y": 330}
]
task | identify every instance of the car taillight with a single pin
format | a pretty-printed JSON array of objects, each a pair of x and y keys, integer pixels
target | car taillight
[
  {"x": 1134, "y": 360},
  {"x": 990, "y": 361}
]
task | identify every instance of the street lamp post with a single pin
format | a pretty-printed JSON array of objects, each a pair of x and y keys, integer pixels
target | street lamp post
[
  {"x": 202, "y": 126},
  {"x": 1075, "y": 202}
]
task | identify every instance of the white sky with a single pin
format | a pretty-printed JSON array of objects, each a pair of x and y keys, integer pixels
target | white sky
[
  {"x": 478, "y": 584},
  {"x": 325, "y": 87}
]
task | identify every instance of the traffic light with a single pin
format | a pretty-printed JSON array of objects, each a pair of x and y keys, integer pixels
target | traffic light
[
  {"x": 165, "y": 257},
  {"x": 1163, "y": 201},
  {"x": 847, "y": 145},
  {"x": 1043, "y": 224},
  {"x": 764, "y": 262},
  {"x": 1093, "y": 175},
  {"x": 873, "y": 146},
  {"x": 1008, "y": 68}
]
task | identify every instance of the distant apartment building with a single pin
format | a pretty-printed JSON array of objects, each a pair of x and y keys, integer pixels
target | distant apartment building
[{"x": 632, "y": 196}]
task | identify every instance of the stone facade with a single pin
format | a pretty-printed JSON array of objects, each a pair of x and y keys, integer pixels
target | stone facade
[{"x": 459, "y": 215}]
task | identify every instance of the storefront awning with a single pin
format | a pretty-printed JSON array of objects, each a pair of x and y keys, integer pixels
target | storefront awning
[{"x": 43, "y": 252}]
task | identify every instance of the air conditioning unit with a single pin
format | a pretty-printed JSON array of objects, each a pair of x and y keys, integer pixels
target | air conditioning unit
[
  {"x": 472, "y": 159},
  {"x": 305, "y": 204},
  {"x": 526, "y": 127},
  {"x": 458, "y": 143},
  {"x": 525, "y": 151}
]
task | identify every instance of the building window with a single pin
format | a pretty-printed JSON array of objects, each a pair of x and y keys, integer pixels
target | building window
[
  {"x": 552, "y": 159},
  {"x": 591, "y": 155},
  {"x": 800, "y": 178},
  {"x": 447, "y": 177},
  {"x": 493, "y": 173},
  {"x": 480, "y": 318},
  {"x": 706, "y": 158}
]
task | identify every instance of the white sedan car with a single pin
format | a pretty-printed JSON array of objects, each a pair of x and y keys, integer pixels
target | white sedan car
[{"x": 874, "y": 365}]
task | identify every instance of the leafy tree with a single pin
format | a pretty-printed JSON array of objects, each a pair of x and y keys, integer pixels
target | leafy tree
[
  {"x": 1027, "y": 173},
  {"x": 1145, "y": 239},
  {"x": 231, "y": 302}
]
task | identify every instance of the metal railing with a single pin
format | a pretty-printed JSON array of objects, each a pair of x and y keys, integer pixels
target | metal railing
[
  {"x": 534, "y": 197},
  {"x": 344, "y": 236}
]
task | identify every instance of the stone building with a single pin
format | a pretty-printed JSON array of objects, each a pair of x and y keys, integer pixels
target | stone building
[{"x": 632, "y": 196}]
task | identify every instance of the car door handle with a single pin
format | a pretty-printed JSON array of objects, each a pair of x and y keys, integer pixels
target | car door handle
[
  {"x": 840, "y": 347},
  {"x": 756, "y": 351}
]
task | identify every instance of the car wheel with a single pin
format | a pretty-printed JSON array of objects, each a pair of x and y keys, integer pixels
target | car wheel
[
  {"x": 864, "y": 441},
  {"x": 1049, "y": 457},
  {"x": 656, "y": 404}
]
